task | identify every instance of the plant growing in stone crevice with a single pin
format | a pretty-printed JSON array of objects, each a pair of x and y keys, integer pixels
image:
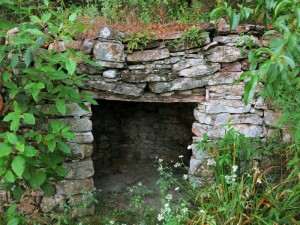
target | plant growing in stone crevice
[{"x": 32, "y": 152}]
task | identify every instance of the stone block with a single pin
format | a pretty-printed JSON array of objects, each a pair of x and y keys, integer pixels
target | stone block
[
  {"x": 227, "y": 106},
  {"x": 238, "y": 40},
  {"x": 232, "y": 67},
  {"x": 54, "y": 203},
  {"x": 79, "y": 169},
  {"x": 62, "y": 46},
  {"x": 72, "y": 110},
  {"x": 148, "y": 55},
  {"x": 222, "y": 78},
  {"x": 83, "y": 138},
  {"x": 224, "y": 54},
  {"x": 76, "y": 124},
  {"x": 250, "y": 130},
  {"x": 110, "y": 65},
  {"x": 108, "y": 51},
  {"x": 110, "y": 74},
  {"x": 271, "y": 117},
  {"x": 178, "y": 84},
  {"x": 80, "y": 151},
  {"x": 227, "y": 89},
  {"x": 111, "y": 34},
  {"x": 142, "y": 77},
  {"x": 201, "y": 70},
  {"x": 186, "y": 63},
  {"x": 73, "y": 187}
]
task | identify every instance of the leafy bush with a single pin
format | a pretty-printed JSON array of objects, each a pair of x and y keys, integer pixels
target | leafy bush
[{"x": 31, "y": 152}]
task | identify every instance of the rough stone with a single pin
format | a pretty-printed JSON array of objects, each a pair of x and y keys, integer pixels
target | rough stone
[
  {"x": 110, "y": 65},
  {"x": 210, "y": 45},
  {"x": 232, "y": 67},
  {"x": 201, "y": 70},
  {"x": 271, "y": 117},
  {"x": 249, "y": 130},
  {"x": 224, "y": 54},
  {"x": 237, "y": 40},
  {"x": 79, "y": 169},
  {"x": 72, "y": 110},
  {"x": 222, "y": 78},
  {"x": 74, "y": 187},
  {"x": 62, "y": 46},
  {"x": 87, "y": 46},
  {"x": 186, "y": 63},
  {"x": 54, "y": 203},
  {"x": 128, "y": 76},
  {"x": 227, "y": 90},
  {"x": 106, "y": 51},
  {"x": 76, "y": 124},
  {"x": 172, "y": 60},
  {"x": 116, "y": 87},
  {"x": 137, "y": 67},
  {"x": 110, "y": 74},
  {"x": 229, "y": 106},
  {"x": 83, "y": 138},
  {"x": 148, "y": 55},
  {"x": 178, "y": 84},
  {"x": 212, "y": 131},
  {"x": 111, "y": 34},
  {"x": 80, "y": 151}
]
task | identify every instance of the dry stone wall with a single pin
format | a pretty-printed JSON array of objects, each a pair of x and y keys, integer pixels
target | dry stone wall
[{"x": 158, "y": 73}]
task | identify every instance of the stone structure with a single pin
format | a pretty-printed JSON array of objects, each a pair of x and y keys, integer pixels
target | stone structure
[{"x": 158, "y": 73}]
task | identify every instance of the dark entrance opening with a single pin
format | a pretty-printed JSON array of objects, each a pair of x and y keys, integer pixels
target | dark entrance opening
[{"x": 130, "y": 136}]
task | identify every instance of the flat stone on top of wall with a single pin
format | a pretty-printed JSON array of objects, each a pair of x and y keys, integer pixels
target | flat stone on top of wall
[
  {"x": 108, "y": 33},
  {"x": 73, "y": 187},
  {"x": 148, "y": 55},
  {"x": 224, "y": 54},
  {"x": 201, "y": 70},
  {"x": 79, "y": 169},
  {"x": 106, "y": 51}
]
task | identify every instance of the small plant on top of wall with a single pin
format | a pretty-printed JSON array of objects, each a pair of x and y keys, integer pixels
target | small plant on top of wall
[
  {"x": 32, "y": 152},
  {"x": 191, "y": 38},
  {"x": 138, "y": 40}
]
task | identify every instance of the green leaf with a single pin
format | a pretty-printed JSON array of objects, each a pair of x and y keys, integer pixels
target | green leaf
[
  {"x": 217, "y": 13},
  {"x": 46, "y": 2},
  {"x": 45, "y": 17},
  {"x": 35, "y": 32},
  {"x": 64, "y": 147},
  {"x": 12, "y": 138},
  {"x": 284, "y": 5},
  {"x": 234, "y": 20},
  {"x": 9, "y": 176},
  {"x": 250, "y": 88},
  {"x": 35, "y": 19},
  {"x": 61, "y": 106},
  {"x": 14, "y": 125},
  {"x": 37, "y": 180},
  {"x": 47, "y": 189},
  {"x": 29, "y": 118},
  {"x": 71, "y": 66},
  {"x": 28, "y": 57},
  {"x": 30, "y": 151},
  {"x": 52, "y": 145},
  {"x": 49, "y": 137},
  {"x": 72, "y": 17},
  {"x": 14, "y": 60},
  {"x": 18, "y": 165},
  {"x": 5, "y": 149},
  {"x": 14, "y": 221},
  {"x": 61, "y": 171}
]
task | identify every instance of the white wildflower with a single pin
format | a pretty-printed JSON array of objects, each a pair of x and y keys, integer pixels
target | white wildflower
[
  {"x": 177, "y": 164},
  {"x": 160, "y": 168},
  {"x": 181, "y": 156},
  {"x": 189, "y": 147},
  {"x": 111, "y": 222},
  {"x": 160, "y": 160},
  {"x": 234, "y": 168},
  {"x": 185, "y": 176},
  {"x": 169, "y": 197},
  {"x": 258, "y": 181},
  {"x": 140, "y": 184},
  {"x": 178, "y": 216},
  {"x": 201, "y": 211},
  {"x": 211, "y": 162},
  {"x": 228, "y": 179},
  {"x": 176, "y": 189},
  {"x": 160, "y": 217},
  {"x": 185, "y": 210}
]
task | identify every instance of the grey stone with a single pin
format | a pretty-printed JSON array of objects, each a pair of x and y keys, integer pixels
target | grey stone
[
  {"x": 83, "y": 138},
  {"x": 237, "y": 40},
  {"x": 232, "y": 67},
  {"x": 176, "y": 85},
  {"x": 271, "y": 117},
  {"x": 62, "y": 46},
  {"x": 73, "y": 187},
  {"x": 212, "y": 131},
  {"x": 80, "y": 169},
  {"x": 72, "y": 110},
  {"x": 222, "y": 78},
  {"x": 186, "y": 63},
  {"x": 249, "y": 130},
  {"x": 224, "y": 54},
  {"x": 172, "y": 60},
  {"x": 84, "y": 68},
  {"x": 202, "y": 117},
  {"x": 110, "y": 65},
  {"x": 111, "y": 74},
  {"x": 87, "y": 46},
  {"x": 226, "y": 118},
  {"x": 137, "y": 67},
  {"x": 54, "y": 203},
  {"x": 116, "y": 87},
  {"x": 229, "y": 106},
  {"x": 80, "y": 151},
  {"x": 148, "y": 55},
  {"x": 210, "y": 45},
  {"x": 76, "y": 124},
  {"x": 108, "y": 33},
  {"x": 140, "y": 77},
  {"x": 106, "y": 51},
  {"x": 228, "y": 90},
  {"x": 201, "y": 70}
]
